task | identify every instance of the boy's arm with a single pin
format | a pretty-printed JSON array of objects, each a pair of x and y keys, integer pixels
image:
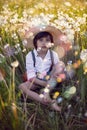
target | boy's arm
[{"x": 30, "y": 69}]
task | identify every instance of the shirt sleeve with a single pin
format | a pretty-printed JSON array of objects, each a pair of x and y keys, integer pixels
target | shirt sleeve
[
  {"x": 56, "y": 57},
  {"x": 31, "y": 72}
]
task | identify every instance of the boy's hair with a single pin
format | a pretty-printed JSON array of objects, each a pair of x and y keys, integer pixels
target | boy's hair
[{"x": 41, "y": 35}]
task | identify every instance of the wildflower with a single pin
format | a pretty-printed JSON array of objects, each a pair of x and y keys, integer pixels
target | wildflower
[
  {"x": 79, "y": 62},
  {"x": 59, "y": 79},
  {"x": 18, "y": 48},
  {"x": 46, "y": 90},
  {"x": 56, "y": 94},
  {"x": 14, "y": 35},
  {"x": 25, "y": 42},
  {"x": 48, "y": 85},
  {"x": 15, "y": 64},
  {"x": 8, "y": 50},
  {"x": 69, "y": 106},
  {"x": 75, "y": 65},
  {"x": 83, "y": 55},
  {"x": 31, "y": 10},
  {"x": 68, "y": 4},
  {"x": 76, "y": 53},
  {"x": 47, "y": 77},
  {"x": 49, "y": 45},
  {"x": 24, "y": 50},
  {"x": 62, "y": 76},
  {"x": 59, "y": 99}
]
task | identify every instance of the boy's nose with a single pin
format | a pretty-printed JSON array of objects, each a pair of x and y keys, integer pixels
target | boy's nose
[{"x": 44, "y": 42}]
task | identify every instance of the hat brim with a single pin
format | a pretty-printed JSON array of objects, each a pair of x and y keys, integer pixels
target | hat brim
[
  {"x": 56, "y": 33},
  {"x": 58, "y": 37}
]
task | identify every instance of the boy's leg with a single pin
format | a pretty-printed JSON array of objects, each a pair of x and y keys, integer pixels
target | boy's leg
[{"x": 27, "y": 89}]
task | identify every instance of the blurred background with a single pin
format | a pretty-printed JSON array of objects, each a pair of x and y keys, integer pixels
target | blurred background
[{"x": 16, "y": 18}]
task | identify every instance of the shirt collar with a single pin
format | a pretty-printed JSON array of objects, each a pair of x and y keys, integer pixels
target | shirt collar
[
  {"x": 48, "y": 52},
  {"x": 36, "y": 53}
]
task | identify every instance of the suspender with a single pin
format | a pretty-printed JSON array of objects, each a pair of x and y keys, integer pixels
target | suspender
[
  {"x": 51, "y": 55},
  {"x": 33, "y": 56},
  {"x": 52, "y": 60}
]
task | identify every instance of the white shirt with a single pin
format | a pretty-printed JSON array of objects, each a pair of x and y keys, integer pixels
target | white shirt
[{"x": 42, "y": 66}]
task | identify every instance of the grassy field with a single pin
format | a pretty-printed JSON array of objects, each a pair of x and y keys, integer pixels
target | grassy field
[{"x": 16, "y": 18}]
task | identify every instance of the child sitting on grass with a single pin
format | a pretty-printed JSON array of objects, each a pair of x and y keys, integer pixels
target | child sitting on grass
[{"x": 36, "y": 74}]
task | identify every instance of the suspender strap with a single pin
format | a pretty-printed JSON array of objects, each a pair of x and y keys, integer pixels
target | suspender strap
[
  {"x": 52, "y": 60},
  {"x": 51, "y": 55},
  {"x": 33, "y": 56}
]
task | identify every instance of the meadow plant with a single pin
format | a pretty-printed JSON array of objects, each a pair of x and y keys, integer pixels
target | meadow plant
[{"x": 16, "y": 18}]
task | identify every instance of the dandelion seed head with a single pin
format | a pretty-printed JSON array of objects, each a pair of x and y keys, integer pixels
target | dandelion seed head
[{"x": 15, "y": 64}]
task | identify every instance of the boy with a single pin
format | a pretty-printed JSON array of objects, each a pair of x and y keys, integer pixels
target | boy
[{"x": 43, "y": 66}]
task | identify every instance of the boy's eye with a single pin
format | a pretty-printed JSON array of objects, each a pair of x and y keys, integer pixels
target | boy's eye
[
  {"x": 41, "y": 39},
  {"x": 46, "y": 39}
]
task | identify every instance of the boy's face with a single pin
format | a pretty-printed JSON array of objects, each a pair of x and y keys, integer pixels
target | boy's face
[{"x": 43, "y": 43}]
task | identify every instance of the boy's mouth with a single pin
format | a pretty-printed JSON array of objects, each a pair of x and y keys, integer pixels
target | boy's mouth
[{"x": 44, "y": 47}]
